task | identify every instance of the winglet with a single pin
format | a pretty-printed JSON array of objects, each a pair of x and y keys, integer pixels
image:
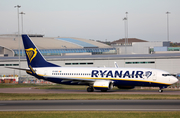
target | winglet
[{"x": 116, "y": 65}]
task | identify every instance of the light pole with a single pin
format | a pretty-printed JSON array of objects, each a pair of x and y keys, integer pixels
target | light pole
[
  {"x": 22, "y": 13},
  {"x": 125, "y": 29},
  {"x": 167, "y": 25},
  {"x": 18, "y": 6}
]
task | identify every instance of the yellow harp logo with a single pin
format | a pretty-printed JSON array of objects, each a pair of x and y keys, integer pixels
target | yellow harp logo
[{"x": 31, "y": 53}]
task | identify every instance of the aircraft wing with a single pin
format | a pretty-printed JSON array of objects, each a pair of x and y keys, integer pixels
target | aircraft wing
[
  {"x": 74, "y": 80},
  {"x": 63, "y": 79},
  {"x": 18, "y": 68}
]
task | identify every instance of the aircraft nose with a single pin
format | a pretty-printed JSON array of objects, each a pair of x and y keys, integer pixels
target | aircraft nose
[{"x": 174, "y": 80}]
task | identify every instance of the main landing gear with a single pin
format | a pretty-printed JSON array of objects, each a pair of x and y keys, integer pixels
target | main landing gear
[
  {"x": 90, "y": 89},
  {"x": 160, "y": 90}
]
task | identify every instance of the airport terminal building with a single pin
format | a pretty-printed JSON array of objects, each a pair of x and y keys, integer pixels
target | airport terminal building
[{"x": 48, "y": 46}]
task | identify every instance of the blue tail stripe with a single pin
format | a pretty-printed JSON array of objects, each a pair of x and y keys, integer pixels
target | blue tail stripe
[{"x": 34, "y": 57}]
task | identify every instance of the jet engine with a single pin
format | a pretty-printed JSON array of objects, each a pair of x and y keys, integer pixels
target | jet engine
[{"x": 103, "y": 85}]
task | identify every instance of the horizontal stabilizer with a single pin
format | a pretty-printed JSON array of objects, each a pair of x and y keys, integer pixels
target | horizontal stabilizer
[{"x": 18, "y": 68}]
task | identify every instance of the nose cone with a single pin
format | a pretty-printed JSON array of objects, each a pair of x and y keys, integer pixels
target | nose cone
[{"x": 174, "y": 80}]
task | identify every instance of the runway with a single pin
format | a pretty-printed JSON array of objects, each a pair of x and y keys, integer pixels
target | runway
[
  {"x": 62, "y": 91},
  {"x": 91, "y": 105}
]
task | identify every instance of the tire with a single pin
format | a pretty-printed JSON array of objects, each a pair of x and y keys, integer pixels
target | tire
[{"x": 90, "y": 89}]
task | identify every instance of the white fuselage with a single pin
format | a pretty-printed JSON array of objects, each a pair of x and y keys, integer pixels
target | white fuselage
[{"x": 133, "y": 75}]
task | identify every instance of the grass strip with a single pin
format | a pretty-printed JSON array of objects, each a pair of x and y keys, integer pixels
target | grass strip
[
  {"x": 90, "y": 114},
  {"x": 53, "y": 96}
]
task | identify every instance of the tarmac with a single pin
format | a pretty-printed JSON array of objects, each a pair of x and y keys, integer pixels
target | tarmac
[
  {"x": 43, "y": 91},
  {"x": 91, "y": 105}
]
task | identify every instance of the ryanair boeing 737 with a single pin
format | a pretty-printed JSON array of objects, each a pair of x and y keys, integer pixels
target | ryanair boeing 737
[{"x": 96, "y": 78}]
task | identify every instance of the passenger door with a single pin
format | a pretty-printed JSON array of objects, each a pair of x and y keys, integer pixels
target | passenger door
[{"x": 154, "y": 76}]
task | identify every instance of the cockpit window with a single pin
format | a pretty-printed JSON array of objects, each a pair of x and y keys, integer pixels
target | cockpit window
[{"x": 169, "y": 75}]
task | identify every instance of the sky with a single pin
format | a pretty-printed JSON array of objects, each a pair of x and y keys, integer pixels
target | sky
[{"x": 93, "y": 19}]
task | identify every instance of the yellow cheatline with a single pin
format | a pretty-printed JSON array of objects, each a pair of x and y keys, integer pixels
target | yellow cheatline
[
  {"x": 114, "y": 79},
  {"x": 101, "y": 86},
  {"x": 41, "y": 75}
]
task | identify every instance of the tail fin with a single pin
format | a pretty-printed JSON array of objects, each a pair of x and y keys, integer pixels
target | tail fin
[{"x": 34, "y": 57}]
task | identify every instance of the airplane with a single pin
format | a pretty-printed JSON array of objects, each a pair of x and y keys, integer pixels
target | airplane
[{"x": 98, "y": 78}]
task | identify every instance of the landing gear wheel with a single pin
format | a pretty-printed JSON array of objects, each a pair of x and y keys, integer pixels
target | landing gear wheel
[
  {"x": 103, "y": 90},
  {"x": 160, "y": 91},
  {"x": 90, "y": 89}
]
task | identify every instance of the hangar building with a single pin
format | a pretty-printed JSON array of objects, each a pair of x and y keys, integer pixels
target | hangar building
[{"x": 138, "y": 46}]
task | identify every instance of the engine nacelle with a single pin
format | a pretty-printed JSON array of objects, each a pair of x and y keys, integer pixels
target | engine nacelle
[
  {"x": 103, "y": 85},
  {"x": 126, "y": 87}
]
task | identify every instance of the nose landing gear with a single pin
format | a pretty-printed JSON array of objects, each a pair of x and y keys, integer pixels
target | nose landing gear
[{"x": 160, "y": 88}]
